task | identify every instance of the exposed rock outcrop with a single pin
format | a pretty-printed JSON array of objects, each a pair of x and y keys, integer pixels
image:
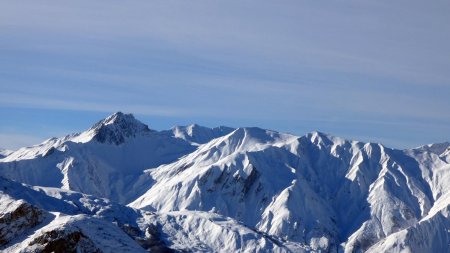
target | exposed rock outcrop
[{"x": 16, "y": 217}]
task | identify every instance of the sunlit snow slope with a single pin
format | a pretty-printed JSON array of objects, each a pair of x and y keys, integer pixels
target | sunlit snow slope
[
  {"x": 107, "y": 160},
  {"x": 274, "y": 191}
]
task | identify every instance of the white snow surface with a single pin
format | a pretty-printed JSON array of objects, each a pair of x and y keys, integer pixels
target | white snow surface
[
  {"x": 104, "y": 225},
  {"x": 107, "y": 160},
  {"x": 198, "y": 134},
  {"x": 241, "y": 190}
]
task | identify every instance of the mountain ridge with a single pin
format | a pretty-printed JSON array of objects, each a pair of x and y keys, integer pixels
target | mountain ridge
[{"x": 315, "y": 192}]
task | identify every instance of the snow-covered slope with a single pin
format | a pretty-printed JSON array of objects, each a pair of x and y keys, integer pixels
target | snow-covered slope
[
  {"x": 31, "y": 220},
  {"x": 317, "y": 190},
  {"x": 41, "y": 219},
  {"x": 197, "y": 134},
  {"x": 107, "y": 160},
  {"x": 245, "y": 189}
]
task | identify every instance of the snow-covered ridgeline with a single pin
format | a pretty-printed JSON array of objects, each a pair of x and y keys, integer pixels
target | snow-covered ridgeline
[{"x": 313, "y": 192}]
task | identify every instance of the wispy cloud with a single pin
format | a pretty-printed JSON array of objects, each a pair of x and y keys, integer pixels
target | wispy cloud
[
  {"x": 398, "y": 39},
  {"x": 29, "y": 101},
  {"x": 252, "y": 61}
]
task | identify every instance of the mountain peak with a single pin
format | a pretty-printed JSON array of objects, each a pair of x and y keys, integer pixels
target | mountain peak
[
  {"x": 436, "y": 148},
  {"x": 118, "y": 117},
  {"x": 118, "y": 126},
  {"x": 199, "y": 134}
]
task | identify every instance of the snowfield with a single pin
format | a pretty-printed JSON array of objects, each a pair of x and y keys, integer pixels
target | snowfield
[{"x": 122, "y": 187}]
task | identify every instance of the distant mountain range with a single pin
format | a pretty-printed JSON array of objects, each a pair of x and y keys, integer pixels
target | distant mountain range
[{"x": 123, "y": 187}]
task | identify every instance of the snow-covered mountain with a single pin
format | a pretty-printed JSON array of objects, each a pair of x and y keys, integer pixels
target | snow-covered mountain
[
  {"x": 317, "y": 190},
  {"x": 107, "y": 160},
  {"x": 4, "y": 153},
  {"x": 198, "y": 134},
  {"x": 42, "y": 219},
  {"x": 246, "y": 189}
]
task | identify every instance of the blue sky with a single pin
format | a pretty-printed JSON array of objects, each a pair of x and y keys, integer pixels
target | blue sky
[{"x": 368, "y": 70}]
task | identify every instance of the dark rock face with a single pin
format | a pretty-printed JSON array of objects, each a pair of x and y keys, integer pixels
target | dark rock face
[
  {"x": 117, "y": 127},
  {"x": 153, "y": 241},
  {"x": 106, "y": 135},
  {"x": 250, "y": 180},
  {"x": 24, "y": 217},
  {"x": 60, "y": 241},
  {"x": 49, "y": 152},
  {"x": 130, "y": 230}
]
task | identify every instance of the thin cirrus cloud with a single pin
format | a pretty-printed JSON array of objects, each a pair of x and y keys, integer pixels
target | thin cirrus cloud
[{"x": 291, "y": 65}]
